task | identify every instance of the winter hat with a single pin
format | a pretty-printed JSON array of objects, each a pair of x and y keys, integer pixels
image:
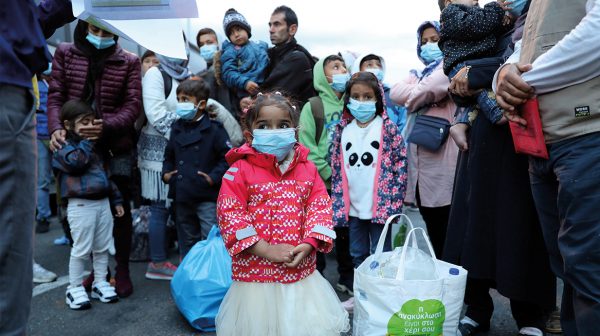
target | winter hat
[{"x": 233, "y": 18}]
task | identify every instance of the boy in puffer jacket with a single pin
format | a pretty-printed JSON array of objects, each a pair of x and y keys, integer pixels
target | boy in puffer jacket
[{"x": 243, "y": 62}]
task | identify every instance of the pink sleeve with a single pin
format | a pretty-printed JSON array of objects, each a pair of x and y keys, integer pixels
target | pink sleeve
[
  {"x": 401, "y": 91},
  {"x": 431, "y": 89}
]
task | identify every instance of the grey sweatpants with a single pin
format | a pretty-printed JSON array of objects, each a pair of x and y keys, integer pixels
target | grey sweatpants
[{"x": 17, "y": 207}]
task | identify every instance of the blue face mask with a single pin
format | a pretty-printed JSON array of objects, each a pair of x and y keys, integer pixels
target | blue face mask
[
  {"x": 431, "y": 52},
  {"x": 186, "y": 111},
  {"x": 208, "y": 51},
  {"x": 517, "y": 7},
  {"x": 277, "y": 142},
  {"x": 339, "y": 81},
  {"x": 377, "y": 72},
  {"x": 100, "y": 42},
  {"x": 48, "y": 71},
  {"x": 362, "y": 111}
]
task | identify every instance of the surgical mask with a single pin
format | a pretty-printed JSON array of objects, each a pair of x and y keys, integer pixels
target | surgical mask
[
  {"x": 48, "y": 71},
  {"x": 100, "y": 42},
  {"x": 207, "y": 51},
  {"x": 377, "y": 72},
  {"x": 277, "y": 142},
  {"x": 186, "y": 111},
  {"x": 431, "y": 52},
  {"x": 338, "y": 82},
  {"x": 362, "y": 111},
  {"x": 517, "y": 7}
]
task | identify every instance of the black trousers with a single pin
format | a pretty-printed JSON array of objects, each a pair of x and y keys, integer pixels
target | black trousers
[
  {"x": 342, "y": 253},
  {"x": 436, "y": 220},
  {"x": 481, "y": 306},
  {"x": 123, "y": 227}
]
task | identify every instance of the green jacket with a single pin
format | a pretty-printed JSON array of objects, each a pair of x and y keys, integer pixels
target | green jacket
[{"x": 333, "y": 107}]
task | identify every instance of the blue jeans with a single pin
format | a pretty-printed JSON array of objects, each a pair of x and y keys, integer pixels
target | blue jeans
[
  {"x": 194, "y": 221},
  {"x": 364, "y": 236},
  {"x": 44, "y": 179},
  {"x": 566, "y": 190},
  {"x": 486, "y": 100},
  {"x": 157, "y": 231},
  {"x": 17, "y": 197}
]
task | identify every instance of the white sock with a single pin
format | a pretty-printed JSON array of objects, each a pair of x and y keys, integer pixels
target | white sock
[
  {"x": 100, "y": 266},
  {"x": 470, "y": 321},
  {"x": 76, "y": 267},
  {"x": 531, "y": 331}
]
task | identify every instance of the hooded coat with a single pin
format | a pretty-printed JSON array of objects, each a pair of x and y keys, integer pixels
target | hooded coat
[
  {"x": 332, "y": 110},
  {"x": 396, "y": 113},
  {"x": 390, "y": 175},
  {"x": 433, "y": 171},
  {"x": 257, "y": 202}
]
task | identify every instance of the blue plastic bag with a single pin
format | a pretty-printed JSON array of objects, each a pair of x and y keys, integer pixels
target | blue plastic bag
[{"x": 202, "y": 280}]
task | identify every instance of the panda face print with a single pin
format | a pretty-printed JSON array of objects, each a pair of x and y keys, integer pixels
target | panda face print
[{"x": 366, "y": 159}]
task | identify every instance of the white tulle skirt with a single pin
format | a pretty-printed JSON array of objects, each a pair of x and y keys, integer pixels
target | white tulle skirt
[{"x": 309, "y": 307}]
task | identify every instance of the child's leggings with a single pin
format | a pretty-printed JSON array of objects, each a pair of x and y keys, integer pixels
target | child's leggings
[{"x": 91, "y": 223}]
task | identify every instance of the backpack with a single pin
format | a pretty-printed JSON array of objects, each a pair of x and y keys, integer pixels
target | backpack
[{"x": 318, "y": 112}]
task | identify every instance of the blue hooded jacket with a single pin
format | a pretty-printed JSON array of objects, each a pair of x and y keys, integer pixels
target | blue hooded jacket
[{"x": 242, "y": 64}]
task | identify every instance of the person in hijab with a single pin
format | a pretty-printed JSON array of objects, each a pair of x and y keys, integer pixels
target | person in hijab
[
  {"x": 430, "y": 173},
  {"x": 501, "y": 246},
  {"x": 96, "y": 70}
]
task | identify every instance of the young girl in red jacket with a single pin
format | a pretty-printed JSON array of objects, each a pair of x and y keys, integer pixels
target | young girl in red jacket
[{"x": 275, "y": 214}]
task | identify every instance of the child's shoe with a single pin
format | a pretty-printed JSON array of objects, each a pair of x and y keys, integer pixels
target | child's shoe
[
  {"x": 160, "y": 271},
  {"x": 104, "y": 292},
  {"x": 77, "y": 298}
]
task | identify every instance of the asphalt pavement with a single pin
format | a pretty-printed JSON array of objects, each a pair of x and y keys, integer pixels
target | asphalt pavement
[{"x": 150, "y": 310}]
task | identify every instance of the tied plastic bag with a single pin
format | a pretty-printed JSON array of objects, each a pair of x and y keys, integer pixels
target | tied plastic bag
[
  {"x": 202, "y": 280},
  {"x": 407, "y": 292}
]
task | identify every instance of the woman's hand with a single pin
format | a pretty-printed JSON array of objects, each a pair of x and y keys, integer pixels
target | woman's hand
[
  {"x": 59, "y": 138},
  {"x": 459, "y": 85},
  {"x": 299, "y": 252},
  {"x": 93, "y": 131}
]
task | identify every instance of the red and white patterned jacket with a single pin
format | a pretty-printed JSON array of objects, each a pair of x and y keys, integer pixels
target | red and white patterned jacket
[{"x": 257, "y": 201}]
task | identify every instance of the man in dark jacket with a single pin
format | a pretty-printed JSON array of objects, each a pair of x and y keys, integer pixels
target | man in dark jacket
[
  {"x": 290, "y": 65},
  {"x": 23, "y": 53}
]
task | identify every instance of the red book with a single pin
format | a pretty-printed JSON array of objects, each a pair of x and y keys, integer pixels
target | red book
[{"x": 529, "y": 139}]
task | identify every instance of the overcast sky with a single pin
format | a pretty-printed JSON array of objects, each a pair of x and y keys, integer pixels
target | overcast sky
[{"x": 387, "y": 28}]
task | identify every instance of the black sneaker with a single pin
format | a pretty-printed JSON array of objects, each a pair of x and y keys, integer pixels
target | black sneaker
[
  {"x": 43, "y": 226},
  {"x": 467, "y": 329}
]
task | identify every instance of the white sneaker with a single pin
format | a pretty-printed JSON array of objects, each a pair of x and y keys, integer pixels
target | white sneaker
[
  {"x": 349, "y": 305},
  {"x": 42, "y": 275},
  {"x": 77, "y": 298},
  {"x": 104, "y": 292}
]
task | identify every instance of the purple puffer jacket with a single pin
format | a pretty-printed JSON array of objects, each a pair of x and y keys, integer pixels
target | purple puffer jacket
[{"x": 118, "y": 93}]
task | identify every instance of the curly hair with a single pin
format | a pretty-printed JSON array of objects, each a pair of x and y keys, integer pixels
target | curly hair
[{"x": 268, "y": 99}]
